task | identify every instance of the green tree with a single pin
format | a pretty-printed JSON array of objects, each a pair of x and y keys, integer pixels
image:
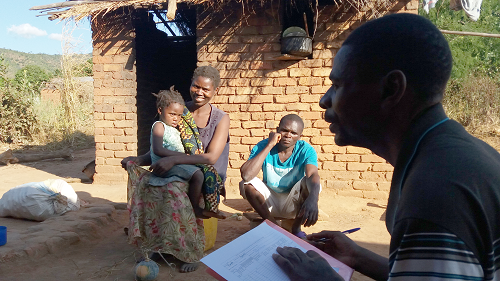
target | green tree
[
  {"x": 470, "y": 53},
  {"x": 30, "y": 78},
  {"x": 87, "y": 68},
  {"x": 17, "y": 120},
  {"x": 3, "y": 71}
]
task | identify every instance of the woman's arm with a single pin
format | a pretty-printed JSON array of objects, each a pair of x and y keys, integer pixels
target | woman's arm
[{"x": 213, "y": 152}]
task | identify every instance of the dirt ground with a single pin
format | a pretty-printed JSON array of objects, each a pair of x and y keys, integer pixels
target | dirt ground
[{"x": 107, "y": 256}]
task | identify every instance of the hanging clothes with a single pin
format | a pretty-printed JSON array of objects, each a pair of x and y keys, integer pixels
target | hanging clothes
[
  {"x": 471, "y": 7},
  {"x": 429, "y": 4}
]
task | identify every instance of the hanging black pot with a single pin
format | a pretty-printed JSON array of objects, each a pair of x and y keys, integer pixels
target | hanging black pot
[{"x": 296, "y": 45}]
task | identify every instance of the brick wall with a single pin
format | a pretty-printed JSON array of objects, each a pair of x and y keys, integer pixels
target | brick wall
[
  {"x": 114, "y": 94},
  {"x": 257, "y": 90}
]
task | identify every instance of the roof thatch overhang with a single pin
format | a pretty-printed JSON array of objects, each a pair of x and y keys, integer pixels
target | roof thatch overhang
[{"x": 80, "y": 9}]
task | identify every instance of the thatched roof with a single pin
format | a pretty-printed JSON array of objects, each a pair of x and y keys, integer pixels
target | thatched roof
[{"x": 80, "y": 9}]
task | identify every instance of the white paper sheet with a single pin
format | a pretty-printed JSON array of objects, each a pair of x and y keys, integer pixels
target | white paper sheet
[{"x": 249, "y": 257}]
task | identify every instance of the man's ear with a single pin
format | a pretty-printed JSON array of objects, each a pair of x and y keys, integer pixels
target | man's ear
[{"x": 394, "y": 88}]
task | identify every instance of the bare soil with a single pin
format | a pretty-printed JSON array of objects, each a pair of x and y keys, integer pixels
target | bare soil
[{"x": 109, "y": 257}]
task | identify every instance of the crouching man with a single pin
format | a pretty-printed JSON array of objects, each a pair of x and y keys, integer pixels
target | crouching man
[{"x": 290, "y": 187}]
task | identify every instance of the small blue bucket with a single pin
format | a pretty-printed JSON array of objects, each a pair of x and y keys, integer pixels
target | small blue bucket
[{"x": 3, "y": 235}]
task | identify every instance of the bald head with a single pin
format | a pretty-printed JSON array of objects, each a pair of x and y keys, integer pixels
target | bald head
[
  {"x": 405, "y": 42},
  {"x": 292, "y": 118}
]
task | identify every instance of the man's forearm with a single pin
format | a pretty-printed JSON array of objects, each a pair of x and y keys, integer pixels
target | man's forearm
[
  {"x": 313, "y": 185},
  {"x": 372, "y": 265}
]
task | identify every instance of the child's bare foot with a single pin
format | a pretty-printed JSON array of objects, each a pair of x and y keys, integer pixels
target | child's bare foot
[
  {"x": 189, "y": 267},
  {"x": 204, "y": 214}
]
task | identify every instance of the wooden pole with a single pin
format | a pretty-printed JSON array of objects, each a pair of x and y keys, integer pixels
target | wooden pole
[
  {"x": 470, "y": 33},
  {"x": 60, "y": 5}
]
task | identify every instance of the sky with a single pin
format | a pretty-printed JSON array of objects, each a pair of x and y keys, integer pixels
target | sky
[{"x": 21, "y": 30}]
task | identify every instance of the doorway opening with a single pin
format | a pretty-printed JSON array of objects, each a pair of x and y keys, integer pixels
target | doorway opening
[{"x": 165, "y": 56}]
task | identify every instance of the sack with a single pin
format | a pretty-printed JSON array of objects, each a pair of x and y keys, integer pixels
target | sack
[{"x": 39, "y": 200}]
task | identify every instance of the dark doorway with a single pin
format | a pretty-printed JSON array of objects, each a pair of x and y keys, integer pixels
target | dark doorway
[{"x": 165, "y": 56}]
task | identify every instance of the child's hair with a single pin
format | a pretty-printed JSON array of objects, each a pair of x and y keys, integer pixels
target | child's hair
[{"x": 165, "y": 98}]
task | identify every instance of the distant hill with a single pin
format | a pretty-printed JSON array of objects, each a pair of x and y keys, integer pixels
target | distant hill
[{"x": 16, "y": 60}]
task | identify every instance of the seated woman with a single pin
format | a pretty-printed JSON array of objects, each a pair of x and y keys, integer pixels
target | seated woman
[{"x": 161, "y": 218}]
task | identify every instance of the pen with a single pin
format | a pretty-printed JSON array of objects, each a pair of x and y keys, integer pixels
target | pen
[
  {"x": 345, "y": 232},
  {"x": 351, "y": 230}
]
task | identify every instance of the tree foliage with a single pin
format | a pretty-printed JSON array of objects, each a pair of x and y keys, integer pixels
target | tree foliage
[
  {"x": 17, "y": 120},
  {"x": 31, "y": 78},
  {"x": 470, "y": 53}
]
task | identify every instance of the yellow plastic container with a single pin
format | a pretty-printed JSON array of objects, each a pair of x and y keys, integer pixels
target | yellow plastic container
[{"x": 210, "y": 226}]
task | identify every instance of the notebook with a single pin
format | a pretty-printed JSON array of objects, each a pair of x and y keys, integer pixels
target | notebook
[{"x": 249, "y": 257}]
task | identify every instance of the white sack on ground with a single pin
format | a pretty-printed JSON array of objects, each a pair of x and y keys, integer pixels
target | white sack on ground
[{"x": 39, "y": 200}]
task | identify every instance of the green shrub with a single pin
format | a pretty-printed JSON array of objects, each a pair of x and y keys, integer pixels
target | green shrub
[
  {"x": 474, "y": 101},
  {"x": 470, "y": 53},
  {"x": 30, "y": 78},
  {"x": 17, "y": 119}
]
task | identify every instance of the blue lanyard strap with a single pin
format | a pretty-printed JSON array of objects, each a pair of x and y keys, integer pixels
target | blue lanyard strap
[{"x": 409, "y": 161}]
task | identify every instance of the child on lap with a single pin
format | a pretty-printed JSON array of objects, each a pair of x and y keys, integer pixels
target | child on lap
[{"x": 166, "y": 141}]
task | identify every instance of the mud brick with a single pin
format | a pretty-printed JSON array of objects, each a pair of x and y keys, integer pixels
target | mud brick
[
  {"x": 273, "y": 107},
  {"x": 239, "y": 99},
  {"x": 273, "y": 90},
  {"x": 298, "y": 107},
  {"x": 336, "y": 184},
  {"x": 372, "y": 158},
  {"x": 298, "y": 72},
  {"x": 239, "y": 132},
  {"x": 321, "y": 72},
  {"x": 247, "y": 91},
  {"x": 384, "y": 186},
  {"x": 320, "y": 89},
  {"x": 239, "y": 116},
  {"x": 310, "y": 98},
  {"x": 114, "y": 146},
  {"x": 310, "y": 81},
  {"x": 310, "y": 115},
  {"x": 347, "y": 158},
  {"x": 382, "y": 167},
  {"x": 113, "y": 67},
  {"x": 252, "y": 124},
  {"x": 310, "y": 63},
  {"x": 321, "y": 140},
  {"x": 357, "y": 150},
  {"x": 297, "y": 90},
  {"x": 278, "y": 82},
  {"x": 321, "y": 124},
  {"x": 334, "y": 166},
  {"x": 262, "y": 99},
  {"x": 286, "y": 98},
  {"x": 256, "y": 82},
  {"x": 259, "y": 133}
]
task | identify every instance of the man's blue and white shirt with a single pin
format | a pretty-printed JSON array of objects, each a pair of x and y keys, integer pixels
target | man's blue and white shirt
[{"x": 279, "y": 176}]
